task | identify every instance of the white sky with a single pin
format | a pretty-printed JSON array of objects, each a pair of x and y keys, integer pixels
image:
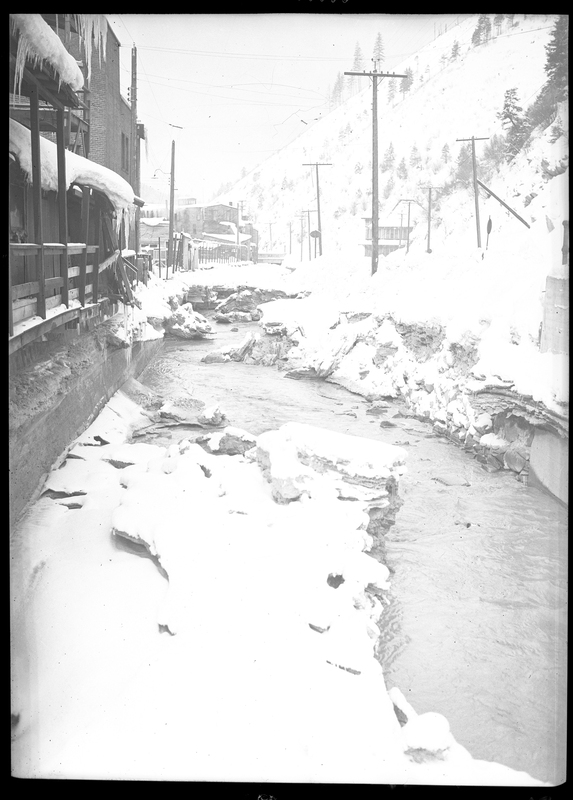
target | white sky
[{"x": 240, "y": 84}]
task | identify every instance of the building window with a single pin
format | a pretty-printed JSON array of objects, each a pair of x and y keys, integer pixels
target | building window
[{"x": 124, "y": 152}]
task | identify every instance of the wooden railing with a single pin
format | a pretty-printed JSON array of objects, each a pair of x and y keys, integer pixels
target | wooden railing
[{"x": 36, "y": 297}]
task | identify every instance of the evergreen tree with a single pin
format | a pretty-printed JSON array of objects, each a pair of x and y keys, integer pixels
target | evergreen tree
[
  {"x": 378, "y": 53},
  {"x": 482, "y": 31},
  {"x": 402, "y": 172},
  {"x": 391, "y": 90},
  {"x": 389, "y": 158},
  {"x": 513, "y": 122},
  {"x": 337, "y": 89},
  {"x": 358, "y": 62},
  {"x": 497, "y": 21},
  {"x": 446, "y": 155},
  {"x": 557, "y": 59},
  {"x": 455, "y": 50},
  {"x": 415, "y": 158},
  {"x": 357, "y": 66},
  {"x": 464, "y": 170},
  {"x": 388, "y": 189},
  {"x": 406, "y": 83},
  {"x": 486, "y": 36}
]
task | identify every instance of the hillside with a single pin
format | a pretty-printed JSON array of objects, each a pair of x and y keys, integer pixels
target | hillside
[
  {"x": 494, "y": 294},
  {"x": 448, "y": 100}
]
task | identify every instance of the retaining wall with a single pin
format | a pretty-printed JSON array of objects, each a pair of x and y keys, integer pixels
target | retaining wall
[{"x": 71, "y": 390}]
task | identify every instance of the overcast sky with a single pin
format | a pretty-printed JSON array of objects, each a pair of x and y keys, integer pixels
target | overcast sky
[{"x": 240, "y": 85}]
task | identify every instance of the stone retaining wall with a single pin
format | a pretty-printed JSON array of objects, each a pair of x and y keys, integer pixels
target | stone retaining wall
[{"x": 54, "y": 398}]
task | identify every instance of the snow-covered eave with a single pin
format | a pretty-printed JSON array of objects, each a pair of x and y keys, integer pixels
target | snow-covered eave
[
  {"x": 78, "y": 169},
  {"x": 228, "y": 239},
  {"x": 38, "y": 43}
]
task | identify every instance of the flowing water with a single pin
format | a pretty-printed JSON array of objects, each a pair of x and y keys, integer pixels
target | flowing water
[{"x": 477, "y": 625}]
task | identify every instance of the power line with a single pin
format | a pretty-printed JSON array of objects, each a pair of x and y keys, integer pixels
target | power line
[{"x": 248, "y": 56}]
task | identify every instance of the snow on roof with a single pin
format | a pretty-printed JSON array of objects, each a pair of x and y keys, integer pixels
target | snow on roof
[
  {"x": 153, "y": 222},
  {"x": 232, "y": 239},
  {"x": 78, "y": 169},
  {"x": 38, "y": 43}
]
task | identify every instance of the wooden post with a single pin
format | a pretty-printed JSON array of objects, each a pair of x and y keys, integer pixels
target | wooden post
[
  {"x": 408, "y": 230},
  {"x": 10, "y": 309},
  {"x": 95, "y": 272},
  {"x": 62, "y": 202},
  {"x": 37, "y": 199},
  {"x": 159, "y": 259},
  {"x": 85, "y": 234},
  {"x": 429, "y": 216},
  {"x": 171, "y": 213}
]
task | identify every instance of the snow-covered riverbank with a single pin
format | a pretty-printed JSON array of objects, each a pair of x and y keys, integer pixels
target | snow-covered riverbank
[{"x": 255, "y": 660}]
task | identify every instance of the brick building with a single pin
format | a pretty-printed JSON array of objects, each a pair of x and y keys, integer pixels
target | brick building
[{"x": 112, "y": 125}]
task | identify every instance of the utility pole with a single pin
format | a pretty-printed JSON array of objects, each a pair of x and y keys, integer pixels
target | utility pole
[
  {"x": 307, "y": 212},
  {"x": 473, "y": 140},
  {"x": 429, "y": 216},
  {"x": 171, "y": 212},
  {"x": 375, "y": 75},
  {"x": 301, "y": 217},
  {"x": 238, "y": 232},
  {"x": 317, "y": 165},
  {"x": 409, "y": 201}
]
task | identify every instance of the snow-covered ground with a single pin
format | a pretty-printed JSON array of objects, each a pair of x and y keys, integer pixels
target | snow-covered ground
[{"x": 246, "y": 664}]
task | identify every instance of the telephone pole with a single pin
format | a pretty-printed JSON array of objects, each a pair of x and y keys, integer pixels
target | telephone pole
[
  {"x": 404, "y": 200},
  {"x": 317, "y": 165},
  {"x": 308, "y": 212},
  {"x": 473, "y": 140},
  {"x": 238, "y": 230},
  {"x": 171, "y": 211},
  {"x": 375, "y": 75},
  {"x": 429, "y": 216},
  {"x": 301, "y": 217}
]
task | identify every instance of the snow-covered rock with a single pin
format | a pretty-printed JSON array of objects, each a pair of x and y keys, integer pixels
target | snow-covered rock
[{"x": 187, "y": 324}]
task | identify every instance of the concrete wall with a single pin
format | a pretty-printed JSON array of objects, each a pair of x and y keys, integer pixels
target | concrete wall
[
  {"x": 46, "y": 435},
  {"x": 549, "y": 464},
  {"x": 555, "y": 331}
]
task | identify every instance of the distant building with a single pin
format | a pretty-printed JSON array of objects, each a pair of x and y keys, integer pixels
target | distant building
[{"x": 390, "y": 238}]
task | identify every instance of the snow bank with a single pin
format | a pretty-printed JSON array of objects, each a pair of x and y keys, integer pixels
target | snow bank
[{"x": 301, "y": 661}]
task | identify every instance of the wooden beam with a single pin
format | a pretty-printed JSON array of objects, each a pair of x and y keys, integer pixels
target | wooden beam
[
  {"x": 10, "y": 317},
  {"x": 125, "y": 280},
  {"x": 37, "y": 198},
  {"x": 86, "y": 191},
  {"x": 31, "y": 334},
  {"x": 62, "y": 201},
  {"x": 24, "y": 289}
]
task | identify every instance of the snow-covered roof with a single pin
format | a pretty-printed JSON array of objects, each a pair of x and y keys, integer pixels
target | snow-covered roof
[
  {"x": 232, "y": 239},
  {"x": 78, "y": 169},
  {"x": 153, "y": 222},
  {"x": 39, "y": 43}
]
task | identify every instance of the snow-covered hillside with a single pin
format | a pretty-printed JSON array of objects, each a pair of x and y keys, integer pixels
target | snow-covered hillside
[
  {"x": 459, "y": 285},
  {"x": 449, "y": 100}
]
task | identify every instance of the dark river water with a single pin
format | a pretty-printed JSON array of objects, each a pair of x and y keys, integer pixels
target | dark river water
[{"x": 476, "y": 629}]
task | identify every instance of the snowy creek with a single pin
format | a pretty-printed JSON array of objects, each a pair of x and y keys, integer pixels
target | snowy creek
[{"x": 477, "y": 625}]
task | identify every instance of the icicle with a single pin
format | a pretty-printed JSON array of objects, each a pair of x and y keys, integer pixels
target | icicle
[
  {"x": 90, "y": 27},
  {"x": 25, "y": 52}
]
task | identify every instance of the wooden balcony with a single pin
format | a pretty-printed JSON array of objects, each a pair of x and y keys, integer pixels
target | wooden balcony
[{"x": 39, "y": 295}]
